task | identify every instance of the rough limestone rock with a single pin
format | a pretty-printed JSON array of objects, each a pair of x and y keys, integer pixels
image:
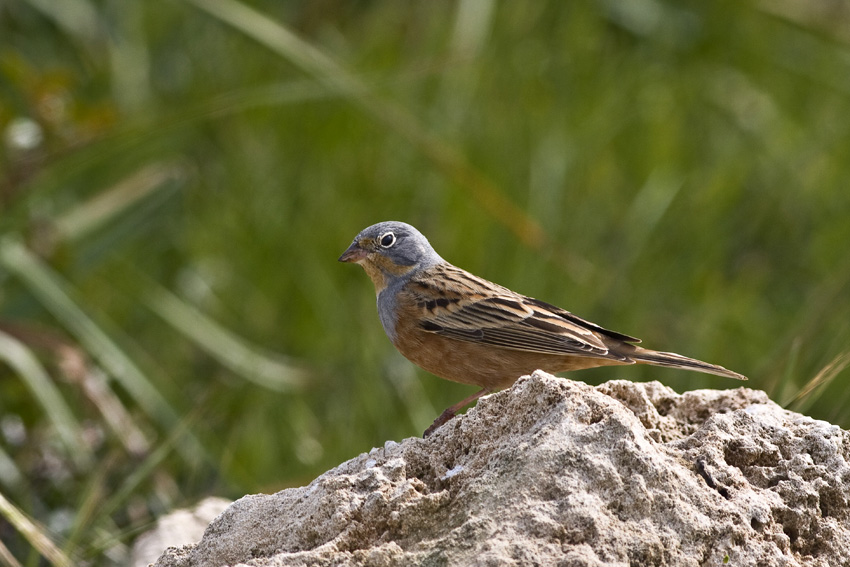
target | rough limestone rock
[
  {"x": 556, "y": 472},
  {"x": 179, "y": 527}
]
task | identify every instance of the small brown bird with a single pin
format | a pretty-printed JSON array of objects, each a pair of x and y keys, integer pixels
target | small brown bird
[{"x": 469, "y": 330}]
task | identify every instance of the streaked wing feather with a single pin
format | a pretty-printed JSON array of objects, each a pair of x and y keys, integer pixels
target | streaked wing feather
[
  {"x": 583, "y": 322},
  {"x": 480, "y": 311}
]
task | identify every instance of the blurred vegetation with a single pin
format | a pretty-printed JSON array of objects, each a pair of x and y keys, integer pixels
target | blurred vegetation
[{"x": 177, "y": 179}]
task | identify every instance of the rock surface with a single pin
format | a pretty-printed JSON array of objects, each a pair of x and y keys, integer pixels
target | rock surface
[
  {"x": 556, "y": 472},
  {"x": 180, "y": 527}
]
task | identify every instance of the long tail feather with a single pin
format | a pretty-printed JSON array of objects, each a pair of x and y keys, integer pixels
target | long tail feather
[{"x": 673, "y": 360}]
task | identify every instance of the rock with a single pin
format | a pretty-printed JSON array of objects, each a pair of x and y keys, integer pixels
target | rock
[
  {"x": 556, "y": 472},
  {"x": 177, "y": 528}
]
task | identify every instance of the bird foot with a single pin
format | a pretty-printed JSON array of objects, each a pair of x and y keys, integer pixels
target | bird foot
[
  {"x": 444, "y": 418},
  {"x": 452, "y": 411}
]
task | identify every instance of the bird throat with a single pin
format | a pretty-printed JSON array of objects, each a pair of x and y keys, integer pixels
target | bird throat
[{"x": 381, "y": 270}]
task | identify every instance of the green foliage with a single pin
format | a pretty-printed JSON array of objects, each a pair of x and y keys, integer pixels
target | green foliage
[{"x": 177, "y": 180}]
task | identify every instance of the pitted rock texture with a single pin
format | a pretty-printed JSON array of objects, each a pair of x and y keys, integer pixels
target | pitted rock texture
[{"x": 556, "y": 472}]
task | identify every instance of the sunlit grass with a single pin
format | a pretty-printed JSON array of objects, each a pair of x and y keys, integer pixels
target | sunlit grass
[{"x": 35, "y": 534}]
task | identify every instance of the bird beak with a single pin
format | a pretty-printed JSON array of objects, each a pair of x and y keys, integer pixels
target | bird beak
[{"x": 353, "y": 254}]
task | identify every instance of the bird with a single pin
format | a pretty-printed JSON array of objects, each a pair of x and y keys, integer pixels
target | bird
[{"x": 466, "y": 329}]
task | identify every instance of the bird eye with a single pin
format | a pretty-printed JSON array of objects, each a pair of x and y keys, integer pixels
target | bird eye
[{"x": 387, "y": 239}]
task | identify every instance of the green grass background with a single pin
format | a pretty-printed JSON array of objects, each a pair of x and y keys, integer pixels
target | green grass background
[{"x": 178, "y": 178}]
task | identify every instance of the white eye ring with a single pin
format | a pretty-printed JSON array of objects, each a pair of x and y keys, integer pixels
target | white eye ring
[{"x": 386, "y": 240}]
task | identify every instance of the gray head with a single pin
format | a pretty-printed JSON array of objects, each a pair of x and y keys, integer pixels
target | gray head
[{"x": 390, "y": 250}]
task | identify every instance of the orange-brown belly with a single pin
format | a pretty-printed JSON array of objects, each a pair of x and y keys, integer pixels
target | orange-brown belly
[{"x": 483, "y": 365}]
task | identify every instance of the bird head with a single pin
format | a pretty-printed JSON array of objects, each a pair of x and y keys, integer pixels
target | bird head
[{"x": 390, "y": 250}]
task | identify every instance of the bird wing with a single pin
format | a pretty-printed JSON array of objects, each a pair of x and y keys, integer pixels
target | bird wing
[{"x": 456, "y": 304}]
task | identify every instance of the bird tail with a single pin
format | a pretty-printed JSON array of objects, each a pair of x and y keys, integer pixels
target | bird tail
[{"x": 673, "y": 360}]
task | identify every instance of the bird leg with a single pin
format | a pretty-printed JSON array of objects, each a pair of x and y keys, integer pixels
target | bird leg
[{"x": 452, "y": 411}]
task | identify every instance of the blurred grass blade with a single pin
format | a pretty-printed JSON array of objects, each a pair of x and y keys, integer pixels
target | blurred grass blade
[
  {"x": 119, "y": 496},
  {"x": 108, "y": 204},
  {"x": 6, "y": 557},
  {"x": 52, "y": 291},
  {"x": 820, "y": 17},
  {"x": 10, "y": 475},
  {"x": 778, "y": 388},
  {"x": 77, "y": 18},
  {"x": 95, "y": 385},
  {"x": 805, "y": 398},
  {"x": 284, "y": 42},
  {"x": 27, "y": 366},
  {"x": 472, "y": 24},
  {"x": 820, "y": 305},
  {"x": 327, "y": 71},
  {"x": 647, "y": 210},
  {"x": 33, "y": 533},
  {"x": 270, "y": 370},
  {"x": 88, "y": 506}
]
